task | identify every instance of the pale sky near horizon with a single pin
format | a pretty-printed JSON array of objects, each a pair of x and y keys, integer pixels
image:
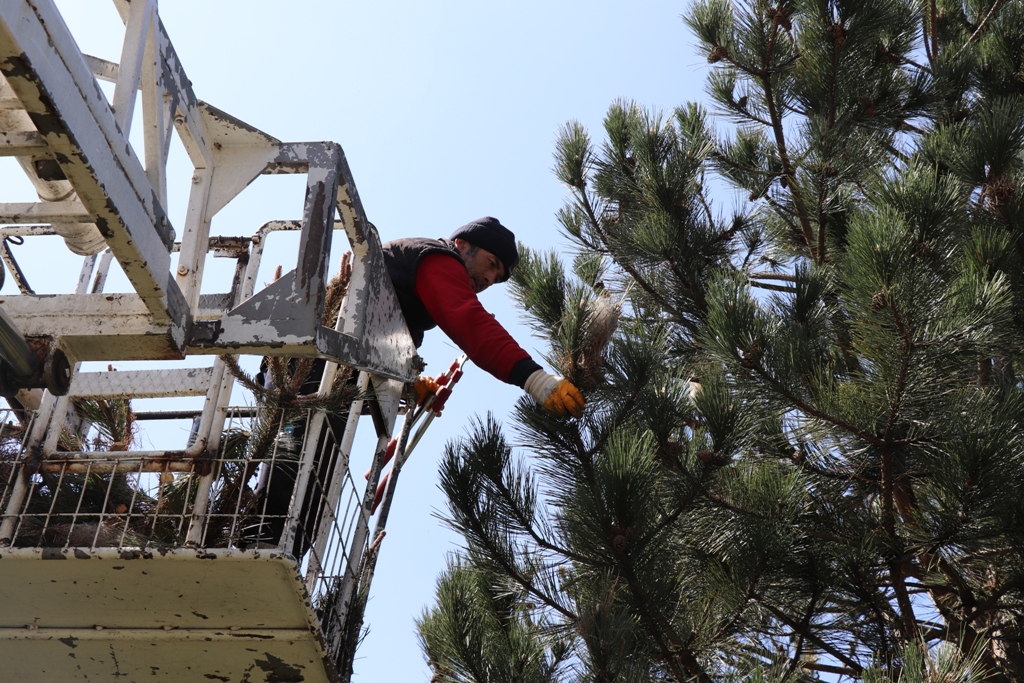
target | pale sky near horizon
[{"x": 447, "y": 111}]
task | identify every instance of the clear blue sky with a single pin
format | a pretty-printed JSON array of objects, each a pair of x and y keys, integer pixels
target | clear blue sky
[{"x": 447, "y": 111}]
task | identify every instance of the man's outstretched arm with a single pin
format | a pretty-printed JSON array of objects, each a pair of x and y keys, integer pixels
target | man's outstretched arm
[{"x": 444, "y": 288}]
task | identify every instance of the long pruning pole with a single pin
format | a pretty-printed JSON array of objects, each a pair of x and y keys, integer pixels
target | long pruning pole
[{"x": 431, "y": 408}]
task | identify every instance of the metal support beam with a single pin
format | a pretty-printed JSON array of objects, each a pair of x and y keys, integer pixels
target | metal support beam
[{"x": 47, "y": 72}]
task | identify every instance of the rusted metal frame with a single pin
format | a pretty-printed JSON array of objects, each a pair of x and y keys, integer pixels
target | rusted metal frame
[
  {"x": 279, "y": 297},
  {"x": 53, "y": 504},
  {"x": 15, "y": 350},
  {"x": 216, "y": 400},
  {"x": 212, "y": 422},
  {"x": 341, "y": 470},
  {"x": 314, "y": 430},
  {"x": 131, "y": 506},
  {"x": 102, "y": 270},
  {"x": 64, "y": 413},
  {"x": 374, "y": 328},
  {"x": 285, "y": 315},
  {"x": 101, "y": 515},
  {"x": 302, "y": 480},
  {"x": 102, "y": 69},
  {"x": 199, "y": 526},
  {"x": 117, "y": 461},
  {"x": 241, "y": 157},
  {"x": 317, "y": 220},
  {"x": 85, "y": 273},
  {"x": 187, "y": 119},
  {"x": 22, "y": 144},
  {"x": 157, "y": 106},
  {"x": 48, "y": 73},
  {"x": 88, "y": 324},
  {"x": 389, "y": 393},
  {"x": 136, "y": 35},
  {"x": 160, "y": 635},
  {"x": 215, "y": 431},
  {"x": 370, "y": 562},
  {"x": 208, "y": 303},
  {"x": 195, "y": 534},
  {"x": 39, "y": 431},
  {"x": 8, "y": 256},
  {"x": 195, "y": 238},
  {"x": 259, "y": 243},
  {"x": 79, "y": 318},
  {"x": 68, "y": 211},
  {"x": 227, "y": 381},
  {"x": 35, "y": 434}
]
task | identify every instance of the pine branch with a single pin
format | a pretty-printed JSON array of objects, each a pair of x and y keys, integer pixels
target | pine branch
[
  {"x": 773, "y": 288},
  {"x": 808, "y": 409},
  {"x": 787, "y": 167},
  {"x": 526, "y": 525},
  {"x": 838, "y": 654},
  {"x": 679, "y": 658},
  {"x": 805, "y": 624},
  {"x": 981, "y": 27},
  {"x": 782, "y": 277},
  {"x": 628, "y": 267},
  {"x": 934, "y": 35}
]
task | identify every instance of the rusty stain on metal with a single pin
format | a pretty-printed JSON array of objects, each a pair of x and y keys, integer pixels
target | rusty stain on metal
[{"x": 278, "y": 671}]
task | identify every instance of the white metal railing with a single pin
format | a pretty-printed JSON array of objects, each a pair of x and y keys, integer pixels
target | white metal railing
[{"x": 59, "y": 490}]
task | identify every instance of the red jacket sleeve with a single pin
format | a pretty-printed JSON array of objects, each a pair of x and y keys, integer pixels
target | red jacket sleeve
[{"x": 443, "y": 286}]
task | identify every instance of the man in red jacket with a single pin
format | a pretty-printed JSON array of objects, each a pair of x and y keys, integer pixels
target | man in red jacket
[{"x": 437, "y": 282}]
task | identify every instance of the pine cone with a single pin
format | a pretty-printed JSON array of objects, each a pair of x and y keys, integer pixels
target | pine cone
[
  {"x": 620, "y": 543},
  {"x": 879, "y": 301},
  {"x": 886, "y": 56},
  {"x": 868, "y": 110},
  {"x": 780, "y": 17},
  {"x": 717, "y": 54},
  {"x": 669, "y": 453},
  {"x": 838, "y": 34},
  {"x": 751, "y": 355}
]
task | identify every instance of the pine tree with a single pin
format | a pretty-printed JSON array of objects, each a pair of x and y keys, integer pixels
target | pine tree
[{"x": 803, "y": 452}]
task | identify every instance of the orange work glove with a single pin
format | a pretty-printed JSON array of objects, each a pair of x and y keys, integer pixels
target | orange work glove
[
  {"x": 555, "y": 394},
  {"x": 424, "y": 387}
]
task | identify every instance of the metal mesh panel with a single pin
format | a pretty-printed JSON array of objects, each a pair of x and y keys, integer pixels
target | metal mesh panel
[{"x": 147, "y": 500}]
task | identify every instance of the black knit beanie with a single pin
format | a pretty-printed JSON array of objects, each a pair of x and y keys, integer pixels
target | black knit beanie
[{"x": 487, "y": 233}]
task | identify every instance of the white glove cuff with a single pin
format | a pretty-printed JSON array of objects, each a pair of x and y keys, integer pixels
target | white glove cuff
[{"x": 540, "y": 384}]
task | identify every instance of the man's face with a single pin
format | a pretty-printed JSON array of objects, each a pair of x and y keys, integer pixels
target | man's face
[{"x": 484, "y": 268}]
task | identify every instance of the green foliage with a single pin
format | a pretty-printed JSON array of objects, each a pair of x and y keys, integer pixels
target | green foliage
[
  {"x": 482, "y": 631},
  {"x": 803, "y": 447}
]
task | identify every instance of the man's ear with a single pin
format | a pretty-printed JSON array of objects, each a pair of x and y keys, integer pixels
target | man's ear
[{"x": 461, "y": 245}]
